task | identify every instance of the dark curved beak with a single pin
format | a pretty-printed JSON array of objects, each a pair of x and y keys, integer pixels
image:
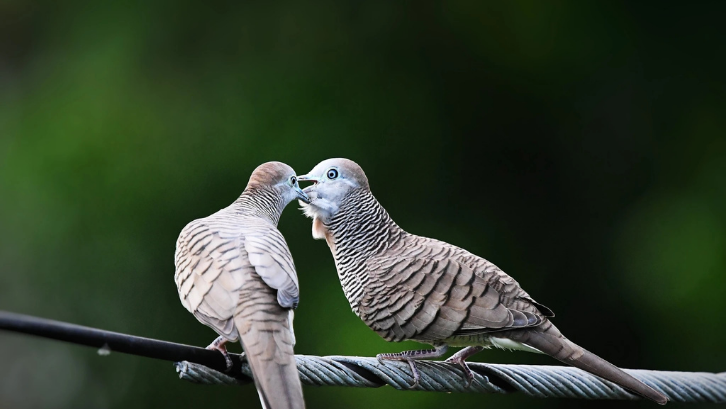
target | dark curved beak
[{"x": 301, "y": 195}]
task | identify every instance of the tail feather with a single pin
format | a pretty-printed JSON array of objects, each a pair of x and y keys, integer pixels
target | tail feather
[
  {"x": 548, "y": 339},
  {"x": 268, "y": 348}
]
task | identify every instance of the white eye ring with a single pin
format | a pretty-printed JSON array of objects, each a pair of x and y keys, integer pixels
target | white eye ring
[
  {"x": 293, "y": 180},
  {"x": 332, "y": 173}
]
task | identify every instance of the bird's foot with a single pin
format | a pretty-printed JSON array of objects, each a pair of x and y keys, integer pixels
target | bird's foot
[
  {"x": 411, "y": 356},
  {"x": 398, "y": 357},
  {"x": 468, "y": 374},
  {"x": 219, "y": 344},
  {"x": 459, "y": 358}
]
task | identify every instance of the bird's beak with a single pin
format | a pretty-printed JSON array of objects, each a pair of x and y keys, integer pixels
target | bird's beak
[
  {"x": 308, "y": 178},
  {"x": 301, "y": 195}
]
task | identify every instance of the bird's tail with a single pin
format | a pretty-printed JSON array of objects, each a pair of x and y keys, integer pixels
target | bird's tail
[
  {"x": 548, "y": 339},
  {"x": 268, "y": 341}
]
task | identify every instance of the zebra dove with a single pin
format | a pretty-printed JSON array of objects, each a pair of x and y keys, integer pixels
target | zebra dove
[
  {"x": 234, "y": 272},
  {"x": 408, "y": 287}
]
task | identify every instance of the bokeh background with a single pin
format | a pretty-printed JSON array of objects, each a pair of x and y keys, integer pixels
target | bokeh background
[{"x": 578, "y": 145}]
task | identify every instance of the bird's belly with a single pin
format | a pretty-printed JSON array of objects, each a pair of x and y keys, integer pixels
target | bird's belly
[
  {"x": 488, "y": 341},
  {"x": 470, "y": 340}
]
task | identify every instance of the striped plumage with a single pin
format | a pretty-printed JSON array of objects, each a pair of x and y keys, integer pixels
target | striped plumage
[
  {"x": 235, "y": 273},
  {"x": 443, "y": 284},
  {"x": 408, "y": 287}
]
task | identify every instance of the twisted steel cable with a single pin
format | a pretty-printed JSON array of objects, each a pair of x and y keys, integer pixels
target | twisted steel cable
[
  {"x": 202, "y": 366},
  {"x": 532, "y": 380}
]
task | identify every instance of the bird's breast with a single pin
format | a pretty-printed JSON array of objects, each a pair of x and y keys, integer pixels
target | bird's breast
[{"x": 321, "y": 232}]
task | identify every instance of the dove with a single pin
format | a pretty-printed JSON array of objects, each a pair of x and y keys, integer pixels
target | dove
[
  {"x": 409, "y": 287},
  {"x": 235, "y": 273}
]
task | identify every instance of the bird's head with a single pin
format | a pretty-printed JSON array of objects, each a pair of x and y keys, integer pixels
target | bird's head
[
  {"x": 280, "y": 178},
  {"x": 332, "y": 180}
]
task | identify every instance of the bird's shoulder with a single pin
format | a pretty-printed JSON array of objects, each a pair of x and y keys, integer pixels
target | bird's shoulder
[
  {"x": 412, "y": 248},
  {"x": 225, "y": 224}
]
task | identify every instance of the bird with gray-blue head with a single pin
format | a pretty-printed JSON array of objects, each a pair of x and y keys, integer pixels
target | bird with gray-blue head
[
  {"x": 408, "y": 287},
  {"x": 235, "y": 273}
]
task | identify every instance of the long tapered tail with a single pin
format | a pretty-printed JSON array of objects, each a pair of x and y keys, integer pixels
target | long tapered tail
[
  {"x": 548, "y": 339},
  {"x": 268, "y": 345}
]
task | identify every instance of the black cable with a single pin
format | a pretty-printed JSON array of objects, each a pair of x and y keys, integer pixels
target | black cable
[{"x": 116, "y": 342}]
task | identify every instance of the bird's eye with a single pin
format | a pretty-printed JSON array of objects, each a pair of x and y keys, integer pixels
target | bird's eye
[
  {"x": 332, "y": 173},
  {"x": 293, "y": 180}
]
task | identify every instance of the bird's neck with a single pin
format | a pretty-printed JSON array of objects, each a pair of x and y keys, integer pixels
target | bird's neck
[
  {"x": 361, "y": 225},
  {"x": 261, "y": 202},
  {"x": 360, "y": 229}
]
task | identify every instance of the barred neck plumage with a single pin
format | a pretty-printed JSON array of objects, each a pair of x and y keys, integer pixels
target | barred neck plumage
[
  {"x": 263, "y": 202},
  {"x": 360, "y": 229}
]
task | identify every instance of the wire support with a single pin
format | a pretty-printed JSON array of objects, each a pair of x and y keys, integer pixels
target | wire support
[
  {"x": 436, "y": 376},
  {"x": 203, "y": 366}
]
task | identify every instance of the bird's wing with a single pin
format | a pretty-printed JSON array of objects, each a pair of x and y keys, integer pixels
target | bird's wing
[
  {"x": 230, "y": 278},
  {"x": 424, "y": 298},
  {"x": 269, "y": 254},
  {"x": 210, "y": 271}
]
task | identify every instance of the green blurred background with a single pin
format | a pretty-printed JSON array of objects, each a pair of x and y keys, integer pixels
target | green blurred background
[{"x": 578, "y": 145}]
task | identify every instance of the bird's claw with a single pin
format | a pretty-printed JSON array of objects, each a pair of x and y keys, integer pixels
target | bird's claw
[
  {"x": 411, "y": 363},
  {"x": 468, "y": 374},
  {"x": 414, "y": 370},
  {"x": 219, "y": 345}
]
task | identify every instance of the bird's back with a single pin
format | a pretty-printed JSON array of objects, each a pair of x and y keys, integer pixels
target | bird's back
[
  {"x": 212, "y": 267},
  {"x": 220, "y": 284}
]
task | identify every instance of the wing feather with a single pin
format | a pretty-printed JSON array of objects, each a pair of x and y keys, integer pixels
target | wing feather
[
  {"x": 269, "y": 254},
  {"x": 431, "y": 295}
]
